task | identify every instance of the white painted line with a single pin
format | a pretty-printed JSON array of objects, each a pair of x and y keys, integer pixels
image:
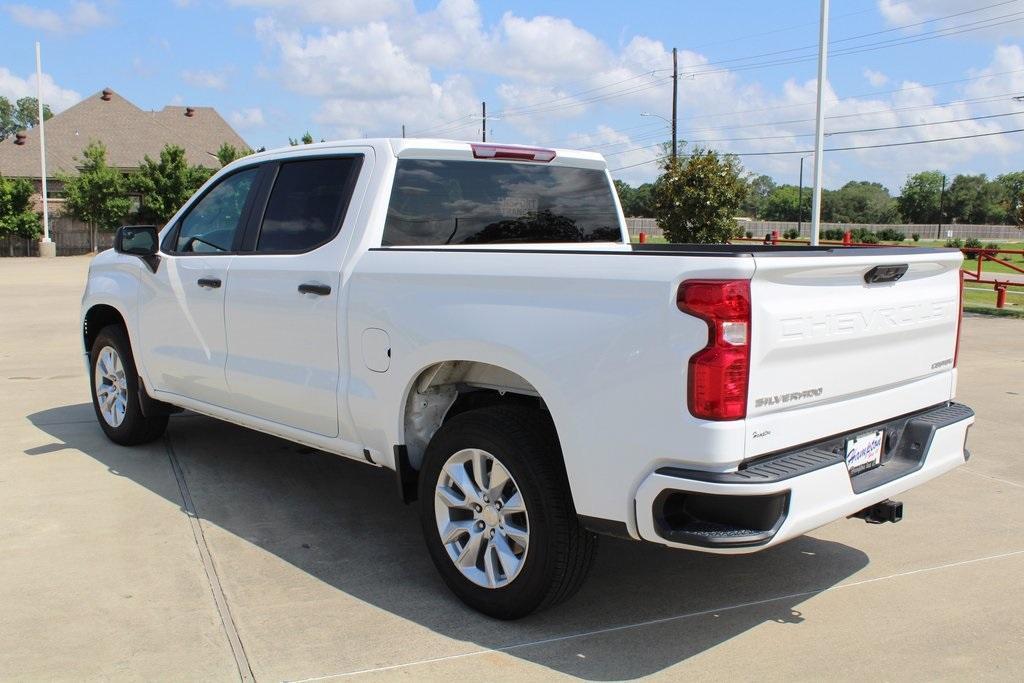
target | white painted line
[
  {"x": 989, "y": 476},
  {"x": 654, "y": 622}
]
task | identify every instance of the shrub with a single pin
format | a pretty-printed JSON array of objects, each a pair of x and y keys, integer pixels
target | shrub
[
  {"x": 991, "y": 245},
  {"x": 863, "y": 235},
  {"x": 749, "y": 234},
  {"x": 791, "y": 234},
  {"x": 834, "y": 234},
  {"x": 891, "y": 235},
  {"x": 916, "y": 237},
  {"x": 972, "y": 243},
  {"x": 956, "y": 243}
]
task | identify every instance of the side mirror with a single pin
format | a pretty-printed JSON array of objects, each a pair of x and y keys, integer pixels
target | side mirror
[{"x": 139, "y": 240}]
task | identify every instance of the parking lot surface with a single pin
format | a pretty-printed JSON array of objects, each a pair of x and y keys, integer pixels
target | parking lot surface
[{"x": 219, "y": 553}]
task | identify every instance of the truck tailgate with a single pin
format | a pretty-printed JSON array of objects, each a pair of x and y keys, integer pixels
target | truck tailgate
[{"x": 831, "y": 352}]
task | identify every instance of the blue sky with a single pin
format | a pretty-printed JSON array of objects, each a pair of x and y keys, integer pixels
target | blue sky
[{"x": 571, "y": 73}]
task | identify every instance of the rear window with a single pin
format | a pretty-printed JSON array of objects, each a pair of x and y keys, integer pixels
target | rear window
[{"x": 473, "y": 202}]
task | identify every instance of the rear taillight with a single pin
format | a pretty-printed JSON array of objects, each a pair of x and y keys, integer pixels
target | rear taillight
[
  {"x": 515, "y": 153},
  {"x": 959, "y": 320},
  {"x": 719, "y": 373}
]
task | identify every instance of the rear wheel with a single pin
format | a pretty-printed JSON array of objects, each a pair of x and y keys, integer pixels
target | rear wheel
[
  {"x": 115, "y": 391},
  {"x": 497, "y": 513}
]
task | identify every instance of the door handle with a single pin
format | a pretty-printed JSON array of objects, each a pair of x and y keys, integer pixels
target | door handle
[
  {"x": 314, "y": 288},
  {"x": 209, "y": 282}
]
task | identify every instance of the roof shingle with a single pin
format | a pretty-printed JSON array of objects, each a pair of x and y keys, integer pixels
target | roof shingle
[{"x": 128, "y": 133}]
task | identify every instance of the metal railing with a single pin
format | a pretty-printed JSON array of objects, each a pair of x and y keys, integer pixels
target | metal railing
[{"x": 975, "y": 275}]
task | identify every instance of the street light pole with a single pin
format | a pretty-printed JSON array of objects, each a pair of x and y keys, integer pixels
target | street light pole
[
  {"x": 819, "y": 124},
  {"x": 675, "y": 98},
  {"x": 800, "y": 200}
]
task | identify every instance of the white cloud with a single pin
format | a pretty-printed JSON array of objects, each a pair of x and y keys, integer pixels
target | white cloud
[
  {"x": 80, "y": 16},
  {"x": 876, "y": 78},
  {"x": 331, "y": 12},
  {"x": 203, "y": 78},
  {"x": 552, "y": 82},
  {"x": 909, "y": 12},
  {"x": 250, "y": 117},
  {"x": 12, "y": 87}
]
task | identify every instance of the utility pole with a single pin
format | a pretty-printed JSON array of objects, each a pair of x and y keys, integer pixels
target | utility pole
[
  {"x": 44, "y": 248},
  {"x": 819, "y": 124},
  {"x": 483, "y": 128},
  {"x": 675, "y": 97},
  {"x": 403, "y": 130},
  {"x": 942, "y": 193}
]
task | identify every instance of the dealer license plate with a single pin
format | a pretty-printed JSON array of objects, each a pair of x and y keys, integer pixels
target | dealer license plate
[{"x": 864, "y": 452}]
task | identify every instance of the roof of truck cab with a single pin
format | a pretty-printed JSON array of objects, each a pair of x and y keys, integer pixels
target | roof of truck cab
[{"x": 435, "y": 148}]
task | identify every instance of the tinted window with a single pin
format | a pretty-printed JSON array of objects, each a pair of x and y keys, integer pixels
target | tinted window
[
  {"x": 482, "y": 202},
  {"x": 211, "y": 224},
  {"x": 306, "y": 205}
]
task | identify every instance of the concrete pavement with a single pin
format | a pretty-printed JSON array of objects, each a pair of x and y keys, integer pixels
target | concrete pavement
[{"x": 220, "y": 553}]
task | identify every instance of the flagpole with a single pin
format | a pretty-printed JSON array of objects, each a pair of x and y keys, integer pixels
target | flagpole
[
  {"x": 42, "y": 156},
  {"x": 819, "y": 124}
]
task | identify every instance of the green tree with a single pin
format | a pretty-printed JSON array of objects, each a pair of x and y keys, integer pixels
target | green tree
[
  {"x": 973, "y": 199},
  {"x": 17, "y": 219},
  {"x": 228, "y": 153},
  {"x": 166, "y": 185},
  {"x": 759, "y": 189},
  {"x": 1012, "y": 189},
  {"x": 21, "y": 115},
  {"x": 860, "y": 201},
  {"x": 782, "y": 204},
  {"x": 97, "y": 196},
  {"x": 919, "y": 197},
  {"x": 306, "y": 139},
  {"x": 698, "y": 195},
  {"x": 636, "y": 201}
]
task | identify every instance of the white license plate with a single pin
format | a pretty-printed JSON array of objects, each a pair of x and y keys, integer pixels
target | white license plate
[{"x": 864, "y": 452}]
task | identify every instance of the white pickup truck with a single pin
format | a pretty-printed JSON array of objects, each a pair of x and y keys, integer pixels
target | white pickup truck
[{"x": 473, "y": 317}]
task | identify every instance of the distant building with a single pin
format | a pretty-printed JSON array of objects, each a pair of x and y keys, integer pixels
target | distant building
[{"x": 128, "y": 133}]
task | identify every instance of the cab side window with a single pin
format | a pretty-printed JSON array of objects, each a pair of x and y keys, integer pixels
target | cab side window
[
  {"x": 307, "y": 204},
  {"x": 211, "y": 225}
]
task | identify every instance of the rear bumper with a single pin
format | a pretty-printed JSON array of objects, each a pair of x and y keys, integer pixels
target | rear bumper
[{"x": 784, "y": 495}]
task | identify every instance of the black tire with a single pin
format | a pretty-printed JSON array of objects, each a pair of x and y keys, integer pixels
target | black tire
[
  {"x": 560, "y": 550},
  {"x": 135, "y": 428}
]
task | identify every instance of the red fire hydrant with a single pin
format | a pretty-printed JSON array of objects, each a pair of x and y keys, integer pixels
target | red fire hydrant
[
  {"x": 775, "y": 236},
  {"x": 847, "y": 238},
  {"x": 1000, "y": 295},
  {"x": 643, "y": 237}
]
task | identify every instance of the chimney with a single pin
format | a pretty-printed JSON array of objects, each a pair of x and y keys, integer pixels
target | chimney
[
  {"x": 107, "y": 95},
  {"x": 190, "y": 112},
  {"x": 19, "y": 139}
]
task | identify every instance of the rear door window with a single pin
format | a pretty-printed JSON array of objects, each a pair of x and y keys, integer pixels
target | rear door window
[
  {"x": 474, "y": 202},
  {"x": 307, "y": 204}
]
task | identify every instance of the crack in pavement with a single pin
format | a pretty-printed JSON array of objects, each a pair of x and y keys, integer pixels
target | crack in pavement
[{"x": 220, "y": 601}]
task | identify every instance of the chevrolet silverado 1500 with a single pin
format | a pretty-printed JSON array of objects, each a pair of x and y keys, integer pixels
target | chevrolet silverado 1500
[{"x": 474, "y": 318}]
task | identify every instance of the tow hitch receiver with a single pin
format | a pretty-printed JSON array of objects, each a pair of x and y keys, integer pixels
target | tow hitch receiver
[{"x": 886, "y": 511}]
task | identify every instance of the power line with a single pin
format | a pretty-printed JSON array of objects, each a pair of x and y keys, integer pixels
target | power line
[
  {"x": 872, "y": 33},
  {"x": 872, "y": 47},
  {"x": 843, "y": 149},
  {"x": 838, "y": 132}
]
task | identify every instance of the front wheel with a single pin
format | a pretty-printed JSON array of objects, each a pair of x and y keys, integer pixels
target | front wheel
[
  {"x": 497, "y": 513},
  {"x": 115, "y": 391}
]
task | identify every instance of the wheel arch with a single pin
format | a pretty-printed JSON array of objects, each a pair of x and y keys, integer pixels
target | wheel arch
[
  {"x": 446, "y": 388},
  {"x": 96, "y": 318}
]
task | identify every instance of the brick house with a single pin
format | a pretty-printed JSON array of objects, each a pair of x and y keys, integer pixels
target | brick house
[{"x": 128, "y": 133}]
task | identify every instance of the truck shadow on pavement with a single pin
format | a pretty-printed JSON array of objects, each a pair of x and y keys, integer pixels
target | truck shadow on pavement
[{"x": 644, "y": 608}]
